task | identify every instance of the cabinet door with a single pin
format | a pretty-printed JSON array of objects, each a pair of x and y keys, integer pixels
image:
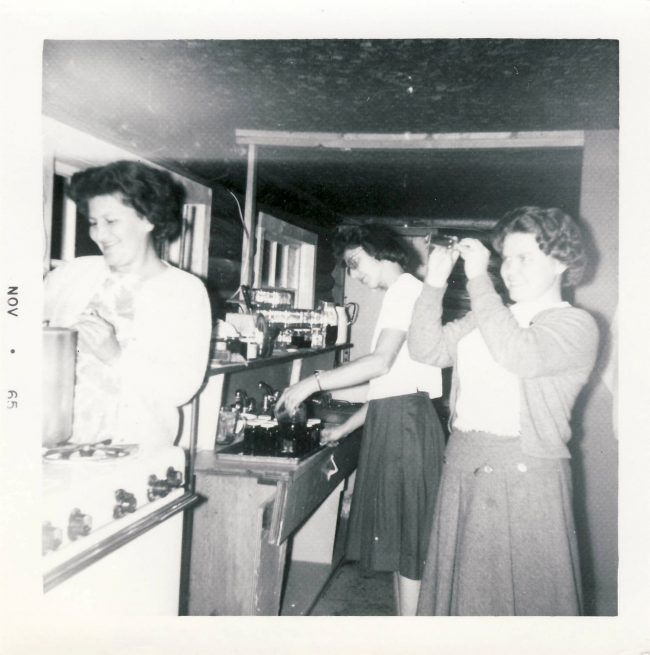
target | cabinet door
[{"x": 317, "y": 481}]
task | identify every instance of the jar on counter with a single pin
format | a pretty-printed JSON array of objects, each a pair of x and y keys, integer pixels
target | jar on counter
[
  {"x": 313, "y": 432},
  {"x": 251, "y": 349}
]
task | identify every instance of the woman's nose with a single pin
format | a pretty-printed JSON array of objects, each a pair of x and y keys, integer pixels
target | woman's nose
[
  {"x": 99, "y": 232},
  {"x": 508, "y": 266}
]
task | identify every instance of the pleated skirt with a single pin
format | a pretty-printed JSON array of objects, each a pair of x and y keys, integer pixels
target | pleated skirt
[
  {"x": 503, "y": 540},
  {"x": 400, "y": 462}
]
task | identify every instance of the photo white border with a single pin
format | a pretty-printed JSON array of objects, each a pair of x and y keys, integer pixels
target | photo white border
[{"x": 25, "y": 25}]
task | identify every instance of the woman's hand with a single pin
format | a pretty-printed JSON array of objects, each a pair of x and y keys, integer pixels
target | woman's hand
[
  {"x": 476, "y": 257},
  {"x": 98, "y": 336},
  {"x": 292, "y": 396},
  {"x": 441, "y": 262},
  {"x": 331, "y": 436}
]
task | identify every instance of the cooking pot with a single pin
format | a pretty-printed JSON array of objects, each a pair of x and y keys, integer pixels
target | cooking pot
[
  {"x": 347, "y": 315},
  {"x": 59, "y": 361}
]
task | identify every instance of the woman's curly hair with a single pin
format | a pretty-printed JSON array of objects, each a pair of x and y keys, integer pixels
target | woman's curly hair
[
  {"x": 152, "y": 192},
  {"x": 557, "y": 235},
  {"x": 378, "y": 241}
]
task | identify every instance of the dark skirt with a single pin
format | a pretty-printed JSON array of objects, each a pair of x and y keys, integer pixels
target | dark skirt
[
  {"x": 396, "y": 483},
  {"x": 503, "y": 540}
]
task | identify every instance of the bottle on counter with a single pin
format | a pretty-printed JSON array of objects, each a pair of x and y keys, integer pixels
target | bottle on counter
[
  {"x": 317, "y": 330},
  {"x": 330, "y": 322}
]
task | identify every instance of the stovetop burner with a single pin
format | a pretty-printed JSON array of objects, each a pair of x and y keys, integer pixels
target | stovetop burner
[{"x": 89, "y": 451}]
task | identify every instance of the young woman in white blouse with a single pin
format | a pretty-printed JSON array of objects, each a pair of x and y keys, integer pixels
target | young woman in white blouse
[
  {"x": 403, "y": 441},
  {"x": 143, "y": 325}
]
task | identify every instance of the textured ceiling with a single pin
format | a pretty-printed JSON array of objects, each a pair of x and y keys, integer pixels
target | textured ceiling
[{"x": 181, "y": 102}]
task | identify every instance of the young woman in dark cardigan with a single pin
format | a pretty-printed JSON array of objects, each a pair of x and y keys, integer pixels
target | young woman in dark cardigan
[{"x": 503, "y": 540}]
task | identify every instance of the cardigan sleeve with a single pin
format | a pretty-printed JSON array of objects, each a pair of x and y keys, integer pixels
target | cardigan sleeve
[
  {"x": 168, "y": 354},
  {"x": 558, "y": 340},
  {"x": 429, "y": 341}
]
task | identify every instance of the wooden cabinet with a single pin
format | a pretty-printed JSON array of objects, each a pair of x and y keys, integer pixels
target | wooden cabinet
[
  {"x": 256, "y": 511},
  {"x": 241, "y": 532}
]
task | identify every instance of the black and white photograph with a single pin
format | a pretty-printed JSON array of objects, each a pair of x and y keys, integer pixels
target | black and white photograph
[{"x": 321, "y": 332}]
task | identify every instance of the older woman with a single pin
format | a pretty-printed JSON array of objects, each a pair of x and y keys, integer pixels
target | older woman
[
  {"x": 403, "y": 441},
  {"x": 143, "y": 325},
  {"x": 503, "y": 540}
]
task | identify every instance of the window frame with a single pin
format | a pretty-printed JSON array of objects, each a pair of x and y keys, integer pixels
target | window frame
[{"x": 299, "y": 248}]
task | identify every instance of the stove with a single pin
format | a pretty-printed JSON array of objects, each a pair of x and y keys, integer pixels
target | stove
[{"x": 93, "y": 491}]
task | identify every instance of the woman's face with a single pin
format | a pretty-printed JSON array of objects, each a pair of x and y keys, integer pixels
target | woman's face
[
  {"x": 526, "y": 271},
  {"x": 363, "y": 267},
  {"x": 121, "y": 233}
]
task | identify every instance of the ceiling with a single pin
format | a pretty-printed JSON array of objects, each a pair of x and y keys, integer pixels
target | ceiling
[{"x": 180, "y": 102}]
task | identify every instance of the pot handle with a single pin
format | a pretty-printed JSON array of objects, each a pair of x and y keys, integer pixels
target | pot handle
[{"x": 355, "y": 311}]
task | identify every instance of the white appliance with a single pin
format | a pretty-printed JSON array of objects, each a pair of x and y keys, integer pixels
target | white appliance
[{"x": 112, "y": 529}]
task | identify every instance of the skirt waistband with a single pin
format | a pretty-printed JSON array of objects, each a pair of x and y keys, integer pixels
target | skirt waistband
[{"x": 483, "y": 452}]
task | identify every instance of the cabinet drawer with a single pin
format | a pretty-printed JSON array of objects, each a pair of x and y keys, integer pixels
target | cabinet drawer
[{"x": 299, "y": 498}]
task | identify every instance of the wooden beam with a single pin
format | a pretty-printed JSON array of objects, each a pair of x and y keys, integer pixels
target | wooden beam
[
  {"x": 421, "y": 226},
  {"x": 412, "y": 141}
]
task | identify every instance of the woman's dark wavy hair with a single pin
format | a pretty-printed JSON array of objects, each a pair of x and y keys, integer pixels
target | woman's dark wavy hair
[
  {"x": 557, "y": 235},
  {"x": 152, "y": 192},
  {"x": 379, "y": 242}
]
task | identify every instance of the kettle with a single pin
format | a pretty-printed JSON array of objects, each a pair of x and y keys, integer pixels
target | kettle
[
  {"x": 59, "y": 362},
  {"x": 347, "y": 315}
]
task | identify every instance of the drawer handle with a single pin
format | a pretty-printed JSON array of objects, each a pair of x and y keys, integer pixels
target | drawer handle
[{"x": 329, "y": 472}]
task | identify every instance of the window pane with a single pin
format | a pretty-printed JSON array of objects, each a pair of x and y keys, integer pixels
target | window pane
[
  {"x": 280, "y": 279},
  {"x": 58, "y": 208},
  {"x": 293, "y": 267},
  {"x": 266, "y": 262}
]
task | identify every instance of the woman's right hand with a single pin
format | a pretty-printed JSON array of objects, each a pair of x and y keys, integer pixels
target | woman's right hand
[
  {"x": 97, "y": 335},
  {"x": 441, "y": 262},
  {"x": 292, "y": 396}
]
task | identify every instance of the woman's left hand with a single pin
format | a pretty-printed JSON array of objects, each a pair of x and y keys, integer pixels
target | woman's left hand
[
  {"x": 476, "y": 257},
  {"x": 292, "y": 396},
  {"x": 98, "y": 336},
  {"x": 332, "y": 435}
]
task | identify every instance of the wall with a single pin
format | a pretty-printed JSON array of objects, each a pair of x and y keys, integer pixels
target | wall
[{"x": 594, "y": 446}]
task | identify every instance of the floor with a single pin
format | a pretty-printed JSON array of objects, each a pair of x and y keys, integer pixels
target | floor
[{"x": 351, "y": 594}]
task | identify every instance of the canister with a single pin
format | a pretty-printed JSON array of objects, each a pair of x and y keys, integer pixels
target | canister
[{"x": 59, "y": 362}]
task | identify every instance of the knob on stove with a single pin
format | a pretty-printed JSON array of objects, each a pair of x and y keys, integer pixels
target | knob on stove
[
  {"x": 174, "y": 478},
  {"x": 160, "y": 488},
  {"x": 125, "y": 503},
  {"x": 79, "y": 524},
  {"x": 52, "y": 537}
]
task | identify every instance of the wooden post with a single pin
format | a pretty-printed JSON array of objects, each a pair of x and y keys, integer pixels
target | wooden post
[{"x": 248, "y": 244}]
